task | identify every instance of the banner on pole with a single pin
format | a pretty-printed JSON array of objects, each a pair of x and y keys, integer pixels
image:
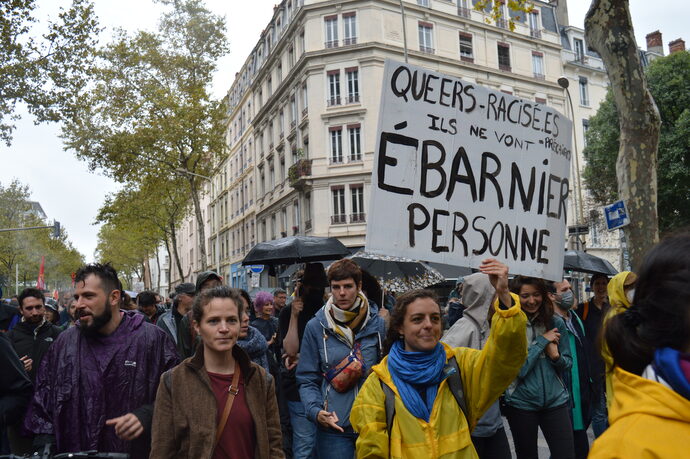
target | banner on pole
[{"x": 463, "y": 173}]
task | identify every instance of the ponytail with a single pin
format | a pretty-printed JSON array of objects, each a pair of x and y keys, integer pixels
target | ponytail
[{"x": 628, "y": 350}]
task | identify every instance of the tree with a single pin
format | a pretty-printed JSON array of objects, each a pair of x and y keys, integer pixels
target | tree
[
  {"x": 156, "y": 206},
  {"x": 45, "y": 73},
  {"x": 150, "y": 111},
  {"x": 24, "y": 249},
  {"x": 669, "y": 83},
  {"x": 609, "y": 31}
]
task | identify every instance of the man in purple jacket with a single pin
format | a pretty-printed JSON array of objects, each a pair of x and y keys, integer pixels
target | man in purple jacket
[{"x": 97, "y": 383}]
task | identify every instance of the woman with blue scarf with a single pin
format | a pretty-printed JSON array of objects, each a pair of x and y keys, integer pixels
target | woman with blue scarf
[
  {"x": 650, "y": 346},
  {"x": 415, "y": 378}
]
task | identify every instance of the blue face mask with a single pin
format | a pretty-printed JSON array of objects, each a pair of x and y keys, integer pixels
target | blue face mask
[{"x": 566, "y": 300}]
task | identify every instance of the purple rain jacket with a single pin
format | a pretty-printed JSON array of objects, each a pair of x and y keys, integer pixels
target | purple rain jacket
[{"x": 83, "y": 381}]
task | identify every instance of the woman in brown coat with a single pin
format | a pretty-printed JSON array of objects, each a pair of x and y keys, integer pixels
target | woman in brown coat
[{"x": 190, "y": 419}]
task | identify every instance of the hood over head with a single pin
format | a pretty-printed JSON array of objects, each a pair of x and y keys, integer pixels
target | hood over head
[
  {"x": 616, "y": 289},
  {"x": 477, "y": 293}
]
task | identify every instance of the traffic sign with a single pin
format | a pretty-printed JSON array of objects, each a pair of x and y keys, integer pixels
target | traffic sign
[
  {"x": 257, "y": 269},
  {"x": 616, "y": 215}
]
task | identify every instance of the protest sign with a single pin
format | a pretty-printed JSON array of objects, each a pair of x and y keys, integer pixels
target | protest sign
[{"x": 463, "y": 173}]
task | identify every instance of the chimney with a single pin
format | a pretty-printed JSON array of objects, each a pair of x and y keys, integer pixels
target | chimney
[
  {"x": 561, "y": 12},
  {"x": 676, "y": 45},
  {"x": 654, "y": 43}
]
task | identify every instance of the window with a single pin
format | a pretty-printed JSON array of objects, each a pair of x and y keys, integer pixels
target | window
[
  {"x": 534, "y": 29},
  {"x": 349, "y": 28},
  {"x": 331, "y": 31},
  {"x": 540, "y": 100},
  {"x": 271, "y": 176},
  {"x": 269, "y": 87},
  {"x": 302, "y": 44},
  {"x": 423, "y": 3},
  {"x": 585, "y": 128},
  {"x": 273, "y": 226},
  {"x": 281, "y": 123},
  {"x": 357, "y": 195},
  {"x": 466, "y": 53},
  {"x": 538, "y": 65},
  {"x": 355, "y": 143},
  {"x": 504, "y": 56},
  {"x": 307, "y": 211},
  {"x": 262, "y": 182},
  {"x": 333, "y": 87},
  {"x": 352, "y": 85},
  {"x": 279, "y": 73},
  {"x": 263, "y": 230},
  {"x": 291, "y": 57},
  {"x": 339, "y": 216},
  {"x": 426, "y": 43},
  {"x": 584, "y": 93},
  {"x": 336, "y": 134},
  {"x": 282, "y": 168},
  {"x": 295, "y": 217},
  {"x": 293, "y": 112},
  {"x": 579, "y": 49},
  {"x": 283, "y": 222},
  {"x": 463, "y": 9},
  {"x": 305, "y": 100}
]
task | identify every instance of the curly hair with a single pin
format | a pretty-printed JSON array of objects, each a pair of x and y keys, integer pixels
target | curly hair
[
  {"x": 398, "y": 314},
  {"x": 261, "y": 299}
]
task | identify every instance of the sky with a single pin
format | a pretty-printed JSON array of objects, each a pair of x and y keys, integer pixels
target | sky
[{"x": 71, "y": 194}]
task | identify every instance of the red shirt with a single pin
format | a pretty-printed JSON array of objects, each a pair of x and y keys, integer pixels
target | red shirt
[{"x": 239, "y": 438}]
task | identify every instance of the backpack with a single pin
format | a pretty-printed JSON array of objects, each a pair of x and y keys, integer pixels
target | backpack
[{"x": 454, "y": 383}]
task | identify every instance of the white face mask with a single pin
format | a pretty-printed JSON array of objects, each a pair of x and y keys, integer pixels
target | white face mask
[{"x": 630, "y": 295}]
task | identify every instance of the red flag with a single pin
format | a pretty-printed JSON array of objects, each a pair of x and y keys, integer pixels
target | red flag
[{"x": 41, "y": 282}]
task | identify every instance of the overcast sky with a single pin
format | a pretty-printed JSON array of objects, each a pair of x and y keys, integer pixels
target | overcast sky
[{"x": 71, "y": 194}]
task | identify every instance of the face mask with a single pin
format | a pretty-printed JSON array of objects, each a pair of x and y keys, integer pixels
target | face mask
[
  {"x": 566, "y": 301},
  {"x": 630, "y": 295}
]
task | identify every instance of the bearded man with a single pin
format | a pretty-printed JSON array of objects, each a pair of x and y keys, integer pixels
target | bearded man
[{"x": 97, "y": 386}]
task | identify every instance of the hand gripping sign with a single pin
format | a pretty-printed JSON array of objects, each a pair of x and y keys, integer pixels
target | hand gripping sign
[{"x": 463, "y": 173}]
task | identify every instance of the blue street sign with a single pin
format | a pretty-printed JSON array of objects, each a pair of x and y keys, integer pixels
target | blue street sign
[
  {"x": 257, "y": 269},
  {"x": 616, "y": 215}
]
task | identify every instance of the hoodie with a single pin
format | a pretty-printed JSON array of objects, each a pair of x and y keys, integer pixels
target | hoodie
[
  {"x": 619, "y": 303},
  {"x": 472, "y": 331},
  {"x": 647, "y": 420}
]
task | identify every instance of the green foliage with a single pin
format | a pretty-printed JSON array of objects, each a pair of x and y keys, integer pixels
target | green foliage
[
  {"x": 495, "y": 10},
  {"x": 46, "y": 73},
  {"x": 25, "y": 248},
  {"x": 669, "y": 83}
]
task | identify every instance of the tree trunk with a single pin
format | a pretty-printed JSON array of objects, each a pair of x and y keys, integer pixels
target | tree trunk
[
  {"x": 158, "y": 271},
  {"x": 173, "y": 239},
  {"x": 609, "y": 31},
  {"x": 201, "y": 233},
  {"x": 170, "y": 260}
]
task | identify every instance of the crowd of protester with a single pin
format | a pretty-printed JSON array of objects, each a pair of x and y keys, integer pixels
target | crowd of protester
[{"x": 335, "y": 369}]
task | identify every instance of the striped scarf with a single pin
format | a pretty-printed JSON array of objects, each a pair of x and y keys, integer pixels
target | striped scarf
[{"x": 344, "y": 323}]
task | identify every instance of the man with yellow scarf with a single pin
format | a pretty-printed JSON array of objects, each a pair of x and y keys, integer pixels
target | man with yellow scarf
[{"x": 340, "y": 345}]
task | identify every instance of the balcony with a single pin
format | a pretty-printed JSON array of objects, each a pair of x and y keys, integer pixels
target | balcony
[
  {"x": 535, "y": 33},
  {"x": 463, "y": 12},
  {"x": 298, "y": 172},
  {"x": 358, "y": 218},
  {"x": 293, "y": 123},
  {"x": 307, "y": 225},
  {"x": 336, "y": 160},
  {"x": 504, "y": 67},
  {"x": 356, "y": 158},
  {"x": 539, "y": 76},
  {"x": 331, "y": 44},
  {"x": 304, "y": 112},
  {"x": 333, "y": 101},
  {"x": 502, "y": 23},
  {"x": 353, "y": 99},
  {"x": 338, "y": 219},
  {"x": 426, "y": 49},
  {"x": 349, "y": 41}
]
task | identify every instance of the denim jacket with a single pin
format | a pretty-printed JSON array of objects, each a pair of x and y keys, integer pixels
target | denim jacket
[{"x": 321, "y": 350}]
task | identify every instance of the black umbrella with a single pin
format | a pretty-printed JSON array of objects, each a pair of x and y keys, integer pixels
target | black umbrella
[
  {"x": 397, "y": 274},
  {"x": 295, "y": 249},
  {"x": 577, "y": 260}
]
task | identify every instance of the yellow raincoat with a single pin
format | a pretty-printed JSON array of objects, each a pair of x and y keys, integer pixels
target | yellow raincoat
[
  {"x": 648, "y": 420},
  {"x": 485, "y": 375},
  {"x": 619, "y": 303}
]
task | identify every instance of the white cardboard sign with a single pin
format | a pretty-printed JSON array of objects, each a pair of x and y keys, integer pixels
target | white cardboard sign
[{"x": 463, "y": 173}]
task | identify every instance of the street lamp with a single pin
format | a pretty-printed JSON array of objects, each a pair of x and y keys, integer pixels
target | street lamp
[{"x": 564, "y": 83}]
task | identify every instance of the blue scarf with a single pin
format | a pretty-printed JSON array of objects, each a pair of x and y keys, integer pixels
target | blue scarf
[
  {"x": 667, "y": 363},
  {"x": 421, "y": 369}
]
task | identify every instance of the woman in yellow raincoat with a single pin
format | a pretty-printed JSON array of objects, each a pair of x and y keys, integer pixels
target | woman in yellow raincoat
[
  {"x": 621, "y": 289},
  {"x": 428, "y": 420},
  {"x": 650, "y": 346}
]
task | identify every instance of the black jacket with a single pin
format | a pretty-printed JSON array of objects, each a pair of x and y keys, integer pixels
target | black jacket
[
  {"x": 15, "y": 389},
  {"x": 33, "y": 341},
  {"x": 7, "y": 314}
]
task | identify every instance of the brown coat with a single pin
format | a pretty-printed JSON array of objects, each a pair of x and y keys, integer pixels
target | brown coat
[{"x": 185, "y": 414}]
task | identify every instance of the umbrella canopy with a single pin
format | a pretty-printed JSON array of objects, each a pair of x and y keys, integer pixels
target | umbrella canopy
[
  {"x": 577, "y": 260},
  {"x": 398, "y": 274},
  {"x": 295, "y": 249}
]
